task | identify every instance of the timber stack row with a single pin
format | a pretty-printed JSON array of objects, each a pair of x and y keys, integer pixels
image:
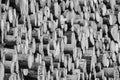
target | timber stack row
[{"x": 59, "y": 39}]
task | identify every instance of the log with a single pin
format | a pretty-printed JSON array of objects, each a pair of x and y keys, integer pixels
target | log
[
  {"x": 98, "y": 67},
  {"x": 42, "y": 3},
  {"x": 10, "y": 40},
  {"x": 70, "y": 16},
  {"x": 57, "y": 10},
  {"x": 82, "y": 65},
  {"x": 2, "y": 70},
  {"x": 56, "y": 54},
  {"x": 113, "y": 19},
  {"x": 67, "y": 4},
  {"x": 53, "y": 44},
  {"x": 21, "y": 20},
  {"x": 51, "y": 26},
  {"x": 79, "y": 53},
  {"x": 51, "y": 67},
  {"x": 32, "y": 7},
  {"x": 103, "y": 9},
  {"x": 63, "y": 72},
  {"x": 47, "y": 12},
  {"x": 83, "y": 2},
  {"x": 118, "y": 59},
  {"x": 69, "y": 49},
  {"x": 71, "y": 77},
  {"x": 40, "y": 17},
  {"x": 6, "y": 76},
  {"x": 2, "y": 30},
  {"x": 65, "y": 62},
  {"x": 87, "y": 15},
  {"x": 76, "y": 28},
  {"x": 33, "y": 19},
  {"x": 103, "y": 58},
  {"x": 114, "y": 32},
  {"x": 92, "y": 16},
  {"x": 106, "y": 20},
  {"x": 25, "y": 60},
  {"x": 7, "y": 28},
  {"x": 9, "y": 66},
  {"x": 97, "y": 14},
  {"x": 49, "y": 3},
  {"x": 56, "y": 74},
  {"x": 38, "y": 58},
  {"x": 45, "y": 39},
  {"x": 41, "y": 72},
  {"x": 69, "y": 64},
  {"x": 25, "y": 72},
  {"x": 46, "y": 49},
  {"x": 76, "y": 63},
  {"x": 100, "y": 74},
  {"x": 89, "y": 55},
  {"x": 31, "y": 75},
  {"x": 11, "y": 31},
  {"x": 22, "y": 7},
  {"x": 118, "y": 17},
  {"x": 61, "y": 44},
  {"x": 56, "y": 65},
  {"x": 41, "y": 48},
  {"x": 4, "y": 7},
  {"x": 13, "y": 3},
  {"x": 10, "y": 54},
  {"x": 105, "y": 29},
  {"x": 112, "y": 4},
  {"x": 32, "y": 46},
  {"x": 82, "y": 76},
  {"x": 59, "y": 32},
  {"x": 111, "y": 72},
  {"x": 33, "y": 71},
  {"x": 13, "y": 76},
  {"x": 10, "y": 14},
  {"x": 36, "y": 33},
  {"x": 72, "y": 67},
  {"x": 62, "y": 5},
  {"x": 23, "y": 31},
  {"x": 48, "y": 60}
]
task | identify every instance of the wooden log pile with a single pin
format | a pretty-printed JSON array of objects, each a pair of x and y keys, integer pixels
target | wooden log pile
[{"x": 59, "y": 39}]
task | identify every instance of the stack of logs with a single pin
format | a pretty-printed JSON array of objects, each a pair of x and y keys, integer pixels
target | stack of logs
[{"x": 59, "y": 39}]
